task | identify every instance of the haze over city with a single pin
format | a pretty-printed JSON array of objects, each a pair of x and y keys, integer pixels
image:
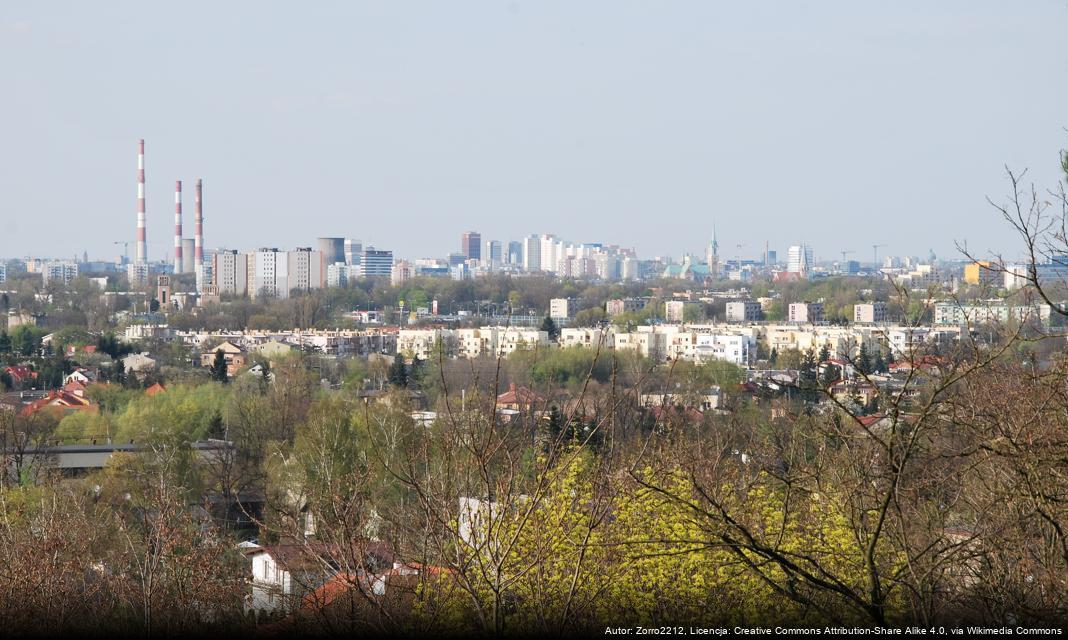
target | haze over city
[{"x": 638, "y": 125}]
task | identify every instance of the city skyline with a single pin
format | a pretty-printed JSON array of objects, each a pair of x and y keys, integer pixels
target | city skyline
[{"x": 745, "y": 114}]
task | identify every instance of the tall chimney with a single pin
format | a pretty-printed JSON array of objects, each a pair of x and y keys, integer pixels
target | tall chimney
[
  {"x": 142, "y": 244},
  {"x": 198, "y": 237},
  {"x": 178, "y": 226}
]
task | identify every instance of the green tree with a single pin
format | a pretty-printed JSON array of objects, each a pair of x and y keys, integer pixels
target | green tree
[
  {"x": 5, "y": 342},
  {"x": 218, "y": 368},
  {"x": 863, "y": 362},
  {"x": 548, "y": 326},
  {"x": 398, "y": 372}
]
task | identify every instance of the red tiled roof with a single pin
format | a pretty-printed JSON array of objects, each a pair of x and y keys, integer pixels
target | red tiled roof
[
  {"x": 61, "y": 398},
  {"x": 520, "y": 395},
  {"x": 21, "y": 372},
  {"x": 154, "y": 389}
]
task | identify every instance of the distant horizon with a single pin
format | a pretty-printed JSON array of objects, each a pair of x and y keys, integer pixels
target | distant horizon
[{"x": 836, "y": 125}]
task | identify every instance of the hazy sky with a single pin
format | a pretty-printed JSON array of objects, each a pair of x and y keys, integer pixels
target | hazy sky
[{"x": 634, "y": 123}]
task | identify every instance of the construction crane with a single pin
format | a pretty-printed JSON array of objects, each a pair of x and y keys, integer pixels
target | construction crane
[
  {"x": 126, "y": 249},
  {"x": 842, "y": 264},
  {"x": 875, "y": 255}
]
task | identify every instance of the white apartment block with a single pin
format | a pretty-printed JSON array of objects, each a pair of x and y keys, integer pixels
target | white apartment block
[
  {"x": 562, "y": 308},
  {"x": 421, "y": 343},
  {"x": 675, "y": 310},
  {"x": 736, "y": 349},
  {"x": 230, "y": 272},
  {"x": 648, "y": 343},
  {"x": 869, "y": 313},
  {"x": 743, "y": 311},
  {"x": 498, "y": 341},
  {"x": 804, "y": 312},
  {"x": 586, "y": 337},
  {"x": 305, "y": 270},
  {"x": 268, "y": 273},
  {"x": 3, "y": 272},
  {"x": 137, "y": 274},
  {"x": 59, "y": 272},
  {"x": 991, "y": 311}
]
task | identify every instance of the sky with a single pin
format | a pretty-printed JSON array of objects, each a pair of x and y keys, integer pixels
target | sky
[{"x": 840, "y": 123}]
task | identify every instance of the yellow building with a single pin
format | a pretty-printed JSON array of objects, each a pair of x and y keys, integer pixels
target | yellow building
[{"x": 983, "y": 273}]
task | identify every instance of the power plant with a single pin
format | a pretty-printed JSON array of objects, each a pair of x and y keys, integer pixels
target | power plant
[{"x": 188, "y": 253}]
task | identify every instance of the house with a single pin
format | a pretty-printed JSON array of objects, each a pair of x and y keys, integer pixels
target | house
[
  {"x": 82, "y": 375},
  {"x": 154, "y": 389},
  {"x": 138, "y": 363},
  {"x": 234, "y": 356},
  {"x": 274, "y": 349},
  {"x": 520, "y": 399},
  {"x": 61, "y": 400},
  {"x": 282, "y": 575},
  {"x": 21, "y": 376},
  {"x": 285, "y": 576}
]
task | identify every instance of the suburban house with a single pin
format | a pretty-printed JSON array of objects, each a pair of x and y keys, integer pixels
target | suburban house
[
  {"x": 21, "y": 376},
  {"x": 138, "y": 363},
  {"x": 234, "y": 355},
  {"x": 520, "y": 399}
]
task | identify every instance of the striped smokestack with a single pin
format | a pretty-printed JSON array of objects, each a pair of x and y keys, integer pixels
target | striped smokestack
[
  {"x": 178, "y": 226},
  {"x": 198, "y": 231},
  {"x": 142, "y": 244}
]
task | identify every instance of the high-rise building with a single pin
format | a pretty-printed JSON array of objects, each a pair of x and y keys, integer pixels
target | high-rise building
[
  {"x": 531, "y": 253},
  {"x": 493, "y": 252},
  {"x": 229, "y": 272},
  {"x": 305, "y": 270},
  {"x": 471, "y": 245},
  {"x": 268, "y": 273},
  {"x": 353, "y": 251},
  {"x": 59, "y": 272},
  {"x": 375, "y": 262},
  {"x": 800, "y": 259},
  {"x": 515, "y": 252},
  {"x": 333, "y": 249},
  {"x": 3, "y": 272}
]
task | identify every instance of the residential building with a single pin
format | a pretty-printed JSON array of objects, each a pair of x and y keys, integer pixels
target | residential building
[
  {"x": 804, "y": 312},
  {"x": 589, "y": 337},
  {"x": 402, "y": 272},
  {"x": 234, "y": 356},
  {"x": 337, "y": 274},
  {"x": 137, "y": 274},
  {"x": 562, "y": 308},
  {"x": 305, "y": 270},
  {"x": 230, "y": 272},
  {"x": 952, "y": 313},
  {"x": 59, "y": 273},
  {"x": 268, "y": 273},
  {"x": 982, "y": 273},
  {"x": 531, "y": 253},
  {"x": 743, "y": 311},
  {"x": 869, "y": 313},
  {"x": 674, "y": 310},
  {"x": 3, "y": 272},
  {"x": 627, "y": 305}
]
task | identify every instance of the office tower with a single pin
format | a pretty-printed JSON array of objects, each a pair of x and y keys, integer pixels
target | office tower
[{"x": 471, "y": 245}]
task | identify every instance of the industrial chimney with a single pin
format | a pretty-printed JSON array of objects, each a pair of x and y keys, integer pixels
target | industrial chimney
[
  {"x": 198, "y": 230},
  {"x": 178, "y": 226},
  {"x": 142, "y": 244}
]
